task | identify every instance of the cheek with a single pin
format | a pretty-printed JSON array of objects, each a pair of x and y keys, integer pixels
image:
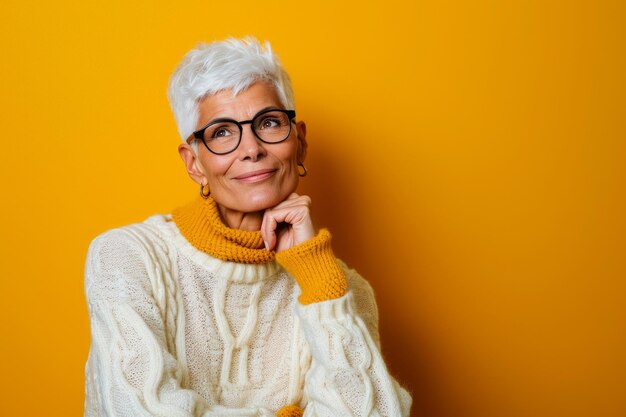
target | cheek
[
  {"x": 289, "y": 153},
  {"x": 215, "y": 167}
]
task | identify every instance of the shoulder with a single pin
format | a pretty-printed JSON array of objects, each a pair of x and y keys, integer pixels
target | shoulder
[
  {"x": 119, "y": 259},
  {"x": 120, "y": 242}
]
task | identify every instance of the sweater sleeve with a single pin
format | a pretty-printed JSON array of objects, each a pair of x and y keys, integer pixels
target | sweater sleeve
[
  {"x": 348, "y": 376},
  {"x": 132, "y": 368},
  {"x": 314, "y": 266},
  {"x": 339, "y": 317}
]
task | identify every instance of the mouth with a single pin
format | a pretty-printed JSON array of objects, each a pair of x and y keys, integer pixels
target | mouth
[{"x": 255, "y": 176}]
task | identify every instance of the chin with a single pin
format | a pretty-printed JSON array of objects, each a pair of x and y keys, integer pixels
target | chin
[{"x": 262, "y": 199}]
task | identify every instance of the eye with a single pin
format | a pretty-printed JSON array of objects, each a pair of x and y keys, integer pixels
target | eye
[
  {"x": 221, "y": 132},
  {"x": 269, "y": 122}
]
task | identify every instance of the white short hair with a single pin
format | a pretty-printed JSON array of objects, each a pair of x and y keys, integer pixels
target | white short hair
[{"x": 229, "y": 64}]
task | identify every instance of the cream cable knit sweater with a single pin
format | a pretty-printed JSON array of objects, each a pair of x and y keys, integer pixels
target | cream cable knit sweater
[{"x": 176, "y": 332}]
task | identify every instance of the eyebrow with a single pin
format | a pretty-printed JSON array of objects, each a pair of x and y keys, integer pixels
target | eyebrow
[{"x": 229, "y": 118}]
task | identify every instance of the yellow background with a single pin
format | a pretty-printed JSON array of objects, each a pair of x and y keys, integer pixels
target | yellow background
[{"x": 469, "y": 158}]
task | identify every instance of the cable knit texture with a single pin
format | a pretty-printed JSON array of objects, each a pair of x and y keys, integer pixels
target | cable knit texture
[{"x": 177, "y": 332}]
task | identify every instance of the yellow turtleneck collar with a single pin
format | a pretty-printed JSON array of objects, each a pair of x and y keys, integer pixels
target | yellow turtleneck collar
[
  {"x": 312, "y": 263},
  {"x": 200, "y": 223}
]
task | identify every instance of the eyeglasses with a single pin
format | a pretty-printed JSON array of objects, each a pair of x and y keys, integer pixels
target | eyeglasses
[{"x": 222, "y": 136}]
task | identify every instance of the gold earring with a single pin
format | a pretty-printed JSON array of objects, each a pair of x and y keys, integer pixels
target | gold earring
[
  {"x": 302, "y": 174},
  {"x": 205, "y": 196}
]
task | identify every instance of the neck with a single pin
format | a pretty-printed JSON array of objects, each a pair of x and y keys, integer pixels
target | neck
[
  {"x": 239, "y": 220},
  {"x": 200, "y": 222}
]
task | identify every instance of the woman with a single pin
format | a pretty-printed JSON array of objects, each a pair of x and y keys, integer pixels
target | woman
[{"x": 233, "y": 305}]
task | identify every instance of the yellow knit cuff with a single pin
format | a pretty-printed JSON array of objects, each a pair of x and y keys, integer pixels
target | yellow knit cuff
[
  {"x": 315, "y": 268},
  {"x": 290, "y": 411}
]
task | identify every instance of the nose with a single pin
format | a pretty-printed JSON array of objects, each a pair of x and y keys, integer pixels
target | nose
[{"x": 250, "y": 148}]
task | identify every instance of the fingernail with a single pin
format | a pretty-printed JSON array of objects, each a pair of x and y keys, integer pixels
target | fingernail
[{"x": 266, "y": 247}]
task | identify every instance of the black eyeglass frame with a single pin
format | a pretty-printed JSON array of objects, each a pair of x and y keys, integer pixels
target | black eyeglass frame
[{"x": 199, "y": 134}]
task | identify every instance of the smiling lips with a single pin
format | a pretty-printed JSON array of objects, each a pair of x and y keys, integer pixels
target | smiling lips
[{"x": 255, "y": 176}]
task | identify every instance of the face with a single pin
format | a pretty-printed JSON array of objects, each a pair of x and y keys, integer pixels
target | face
[{"x": 256, "y": 175}]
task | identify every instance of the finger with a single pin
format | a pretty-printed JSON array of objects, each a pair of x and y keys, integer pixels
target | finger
[
  {"x": 296, "y": 201},
  {"x": 293, "y": 216},
  {"x": 285, "y": 214},
  {"x": 268, "y": 229},
  {"x": 295, "y": 211},
  {"x": 266, "y": 238},
  {"x": 263, "y": 234}
]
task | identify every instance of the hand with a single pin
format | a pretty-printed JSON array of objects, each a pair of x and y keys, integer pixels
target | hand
[{"x": 288, "y": 223}]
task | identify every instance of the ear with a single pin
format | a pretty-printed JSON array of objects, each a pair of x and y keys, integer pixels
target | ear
[
  {"x": 303, "y": 145},
  {"x": 192, "y": 164}
]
